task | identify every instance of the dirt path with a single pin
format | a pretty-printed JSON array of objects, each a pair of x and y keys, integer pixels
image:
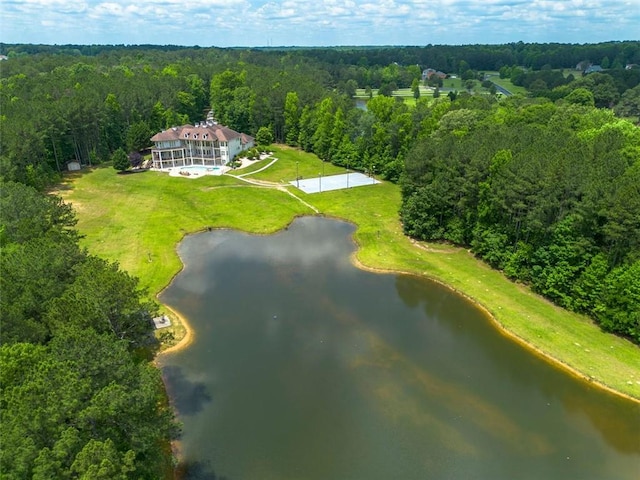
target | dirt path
[{"x": 274, "y": 185}]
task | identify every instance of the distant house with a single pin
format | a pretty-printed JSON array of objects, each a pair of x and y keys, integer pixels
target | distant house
[
  {"x": 205, "y": 143},
  {"x": 583, "y": 65},
  {"x": 593, "y": 69},
  {"x": 631, "y": 66},
  {"x": 430, "y": 72}
]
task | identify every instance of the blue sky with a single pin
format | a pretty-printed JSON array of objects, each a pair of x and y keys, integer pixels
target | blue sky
[{"x": 225, "y": 23}]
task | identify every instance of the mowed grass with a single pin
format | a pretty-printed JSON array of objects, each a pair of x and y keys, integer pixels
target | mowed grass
[
  {"x": 405, "y": 93},
  {"x": 138, "y": 220},
  {"x": 506, "y": 83},
  {"x": 292, "y": 162}
]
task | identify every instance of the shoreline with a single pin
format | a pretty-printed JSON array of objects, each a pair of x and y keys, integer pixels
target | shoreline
[
  {"x": 185, "y": 341},
  {"x": 189, "y": 336},
  {"x": 503, "y": 330}
]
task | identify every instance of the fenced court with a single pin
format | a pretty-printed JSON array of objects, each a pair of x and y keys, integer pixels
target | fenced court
[{"x": 333, "y": 182}]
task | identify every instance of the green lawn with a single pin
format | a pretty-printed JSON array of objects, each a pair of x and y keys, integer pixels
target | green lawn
[
  {"x": 285, "y": 169},
  {"x": 506, "y": 83},
  {"x": 255, "y": 165},
  {"x": 450, "y": 83},
  {"x": 138, "y": 219},
  {"x": 405, "y": 93}
]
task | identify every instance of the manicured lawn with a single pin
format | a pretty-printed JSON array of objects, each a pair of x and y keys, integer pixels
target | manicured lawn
[
  {"x": 285, "y": 169},
  {"x": 506, "y": 83},
  {"x": 255, "y": 165},
  {"x": 449, "y": 84},
  {"x": 138, "y": 219},
  {"x": 453, "y": 84},
  {"x": 405, "y": 93}
]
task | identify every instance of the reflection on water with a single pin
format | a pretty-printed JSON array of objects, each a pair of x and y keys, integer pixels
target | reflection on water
[
  {"x": 304, "y": 367},
  {"x": 188, "y": 397}
]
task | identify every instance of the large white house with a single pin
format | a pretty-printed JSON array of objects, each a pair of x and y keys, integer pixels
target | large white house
[{"x": 205, "y": 143}]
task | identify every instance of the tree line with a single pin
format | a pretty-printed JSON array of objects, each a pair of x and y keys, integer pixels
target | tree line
[
  {"x": 448, "y": 58},
  {"x": 79, "y": 398},
  {"x": 62, "y": 103},
  {"x": 547, "y": 193}
]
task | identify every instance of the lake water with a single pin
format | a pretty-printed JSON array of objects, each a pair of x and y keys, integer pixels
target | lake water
[{"x": 305, "y": 367}]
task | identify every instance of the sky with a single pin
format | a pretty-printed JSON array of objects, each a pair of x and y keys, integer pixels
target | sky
[{"x": 254, "y": 23}]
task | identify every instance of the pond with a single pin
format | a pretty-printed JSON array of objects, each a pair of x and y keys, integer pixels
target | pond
[{"x": 306, "y": 367}]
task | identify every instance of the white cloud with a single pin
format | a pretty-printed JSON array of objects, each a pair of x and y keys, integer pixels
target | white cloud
[
  {"x": 62, "y": 6},
  {"x": 323, "y": 22}
]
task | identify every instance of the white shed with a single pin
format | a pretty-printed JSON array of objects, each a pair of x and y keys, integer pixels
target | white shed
[{"x": 73, "y": 166}]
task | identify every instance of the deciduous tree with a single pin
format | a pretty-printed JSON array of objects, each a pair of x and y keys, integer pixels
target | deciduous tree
[{"x": 264, "y": 137}]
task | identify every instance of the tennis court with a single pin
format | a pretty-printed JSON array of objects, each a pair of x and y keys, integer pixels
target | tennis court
[{"x": 333, "y": 182}]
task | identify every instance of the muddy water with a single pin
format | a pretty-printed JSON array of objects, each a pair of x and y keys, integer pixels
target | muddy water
[{"x": 304, "y": 367}]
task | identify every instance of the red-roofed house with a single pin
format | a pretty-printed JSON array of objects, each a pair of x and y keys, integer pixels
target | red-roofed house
[
  {"x": 206, "y": 143},
  {"x": 430, "y": 72}
]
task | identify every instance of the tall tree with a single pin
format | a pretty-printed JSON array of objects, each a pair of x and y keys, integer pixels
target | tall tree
[
  {"x": 324, "y": 127},
  {"x": 415, "y": 88},
  {"x": 291, "y": 118},
  {"x": 138, "y": 136},
  {"x": 222, "y": 92},
  {"x": 77, "y": 399},
  {"x": 545, "y": 193}
]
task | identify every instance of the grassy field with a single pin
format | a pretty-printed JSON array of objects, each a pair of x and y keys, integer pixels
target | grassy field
[
  {"x": 506, "y": 83},
  {"x": 138, "y": 219},
  {"x": 404, "y": 93},
  {"x": 449, "y": 84},
  {"x": 292, "y": 162}
]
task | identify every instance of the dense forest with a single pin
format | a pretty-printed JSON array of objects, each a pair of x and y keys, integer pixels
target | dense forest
[
  {"x": 79, "y": 398},
  {"x": 84, "y": 102},
  {"x": 549, "y": 194},
  {"x": 543, "y": 186}
]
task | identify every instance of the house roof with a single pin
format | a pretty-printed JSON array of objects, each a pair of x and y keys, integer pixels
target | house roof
[
  {"x": 244, "y": 138},
  {"x": 429, "y": 72},
  {"x": 205, "y": 131},
  {"x": 593, "y": 68}
]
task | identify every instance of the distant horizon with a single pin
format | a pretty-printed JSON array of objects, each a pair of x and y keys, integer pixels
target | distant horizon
[
  {"x": 322, "y": 24},
  {"x": 277, "y": 47}
]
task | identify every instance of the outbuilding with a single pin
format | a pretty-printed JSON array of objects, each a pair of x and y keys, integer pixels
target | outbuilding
[{"x": 73, "y": 166}]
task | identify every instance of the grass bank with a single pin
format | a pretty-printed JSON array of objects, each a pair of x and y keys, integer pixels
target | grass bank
[{"x": 138, "y": 219}]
